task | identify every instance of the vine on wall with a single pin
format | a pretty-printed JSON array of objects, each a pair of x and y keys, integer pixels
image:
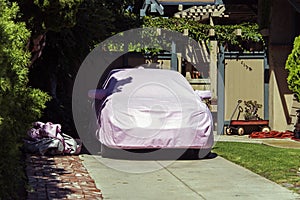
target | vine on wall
[{"x": 224, "y": 34}]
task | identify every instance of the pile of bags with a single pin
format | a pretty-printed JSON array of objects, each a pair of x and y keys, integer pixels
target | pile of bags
[{"x": 47, "y": 138}]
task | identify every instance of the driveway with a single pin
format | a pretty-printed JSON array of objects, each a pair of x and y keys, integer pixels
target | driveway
[{"x": 214, "y": 178}]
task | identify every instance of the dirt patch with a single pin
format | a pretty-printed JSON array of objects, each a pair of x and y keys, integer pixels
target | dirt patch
[{"x": 284, "y": 143}]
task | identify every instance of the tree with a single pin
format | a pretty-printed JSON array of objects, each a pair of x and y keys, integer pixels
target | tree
[
  {"x": 42, "y": 44},
  {"x": 20, "y": 104},
  {"x": 42, "y": 16},
  {"x": 64, "y": 46},
  {"x": 293, "y": 67}
]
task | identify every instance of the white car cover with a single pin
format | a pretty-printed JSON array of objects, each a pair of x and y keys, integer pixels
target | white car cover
[{"x": 152, "y": 108}]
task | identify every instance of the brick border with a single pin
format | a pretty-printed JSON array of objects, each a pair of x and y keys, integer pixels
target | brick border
[{"x": 59, "y": 177}]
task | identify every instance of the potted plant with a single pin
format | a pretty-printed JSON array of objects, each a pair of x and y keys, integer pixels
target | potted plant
[{"x": 251, "y": 108}]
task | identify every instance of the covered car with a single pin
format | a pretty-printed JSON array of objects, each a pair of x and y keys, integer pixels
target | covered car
[{"x": 143, "y": 108}]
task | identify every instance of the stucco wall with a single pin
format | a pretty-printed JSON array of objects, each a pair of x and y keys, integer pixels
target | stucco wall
[
  {"x": 280, "y": 44},
  {"x": 244, "y": 80},
  {"x": 279, "y": 105}
]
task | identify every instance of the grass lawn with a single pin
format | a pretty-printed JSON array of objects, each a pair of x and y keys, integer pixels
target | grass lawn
[{"x": 277, "y": 164}]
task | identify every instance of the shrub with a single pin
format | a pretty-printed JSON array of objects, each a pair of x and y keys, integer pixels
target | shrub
[
  {"x": 293, "y": 67},
  {"x": 20, "y": 104}
]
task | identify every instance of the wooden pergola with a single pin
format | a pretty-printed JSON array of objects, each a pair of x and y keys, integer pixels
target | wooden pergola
[
  {"x": 187, "y": 2},
  {"x": 199, "y": 13},
  {"x": 197, "y": 9}
]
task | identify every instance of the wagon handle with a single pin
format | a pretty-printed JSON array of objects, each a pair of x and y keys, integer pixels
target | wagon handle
[
  {"x": 240, "y": 111},
  {"x": 239, "y": 102}
]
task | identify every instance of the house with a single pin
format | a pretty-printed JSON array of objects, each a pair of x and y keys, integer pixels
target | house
[
  {"x": 259, "y": 75},
  {"x": 283, "y": 28}
]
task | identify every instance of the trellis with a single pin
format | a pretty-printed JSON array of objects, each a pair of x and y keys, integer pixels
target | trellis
[{"x": 198, "y": 13}]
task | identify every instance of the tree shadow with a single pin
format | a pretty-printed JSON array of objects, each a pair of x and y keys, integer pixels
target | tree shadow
[
  {"x": 47, "y": 179},
  {"x": 111, "y": 86}
]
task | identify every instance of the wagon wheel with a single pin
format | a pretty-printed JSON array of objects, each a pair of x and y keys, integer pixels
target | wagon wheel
[
  {"x": 240, "y": 130},
  {"x": 228, "y": 130},
  {"x": 265, "y": 129}
]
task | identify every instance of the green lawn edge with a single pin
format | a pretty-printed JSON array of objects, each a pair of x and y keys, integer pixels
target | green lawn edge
[{"x": 279, "y": 165}]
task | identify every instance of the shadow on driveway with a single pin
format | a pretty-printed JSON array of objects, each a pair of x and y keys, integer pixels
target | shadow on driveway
[
  {"x": 157, "y": 154},
  {"x": 59, "y": 177}
]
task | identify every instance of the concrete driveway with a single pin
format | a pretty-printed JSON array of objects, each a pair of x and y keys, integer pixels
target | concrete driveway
[{"x": 213, "y": 179}]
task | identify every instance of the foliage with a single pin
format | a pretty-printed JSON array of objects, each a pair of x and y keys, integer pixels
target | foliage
[
  {"x": 67, "y": 43},
  {"x": 251, "y": 108},
  {"x": 44, "y": 15},
  {"x": 65, "y": 31},
  {"x": 277, "y": 164},
  {"x": 293, "y": 67},
  {"x": 224, "y": 34},
  {"x": 20, "y": 105},
  {"x": 151, "y": 43}
]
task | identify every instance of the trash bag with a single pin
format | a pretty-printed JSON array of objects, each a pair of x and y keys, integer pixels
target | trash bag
[{"x": 47, "y": 138}]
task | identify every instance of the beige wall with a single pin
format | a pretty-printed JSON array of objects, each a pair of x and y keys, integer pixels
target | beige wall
[
  {"x": 280, "y": 113},
  {"x": 244, "y": 80},
  {"x": 280, "y": 100},
  {"x": 277, "y": 120},
  {"x": 282, "y": 32}
]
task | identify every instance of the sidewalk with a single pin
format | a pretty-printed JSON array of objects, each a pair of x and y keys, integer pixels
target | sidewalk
[{"x": 73, "y": 177}]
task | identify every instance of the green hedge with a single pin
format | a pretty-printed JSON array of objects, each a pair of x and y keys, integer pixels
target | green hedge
[
  {"x": 20, "y": 104},
  {"x": 293, "y": 67}
]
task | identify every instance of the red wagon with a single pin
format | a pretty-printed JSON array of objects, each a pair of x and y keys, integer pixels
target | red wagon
[{"x": 242, "y": 127}]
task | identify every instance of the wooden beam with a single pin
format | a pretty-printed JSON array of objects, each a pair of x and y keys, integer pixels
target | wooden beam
[
  {"x": 180, "y": 7},
  {"x": 211, "y": 32},
  {"x": 185, "y": 32},
  {"x": 238, "y": 32}
]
